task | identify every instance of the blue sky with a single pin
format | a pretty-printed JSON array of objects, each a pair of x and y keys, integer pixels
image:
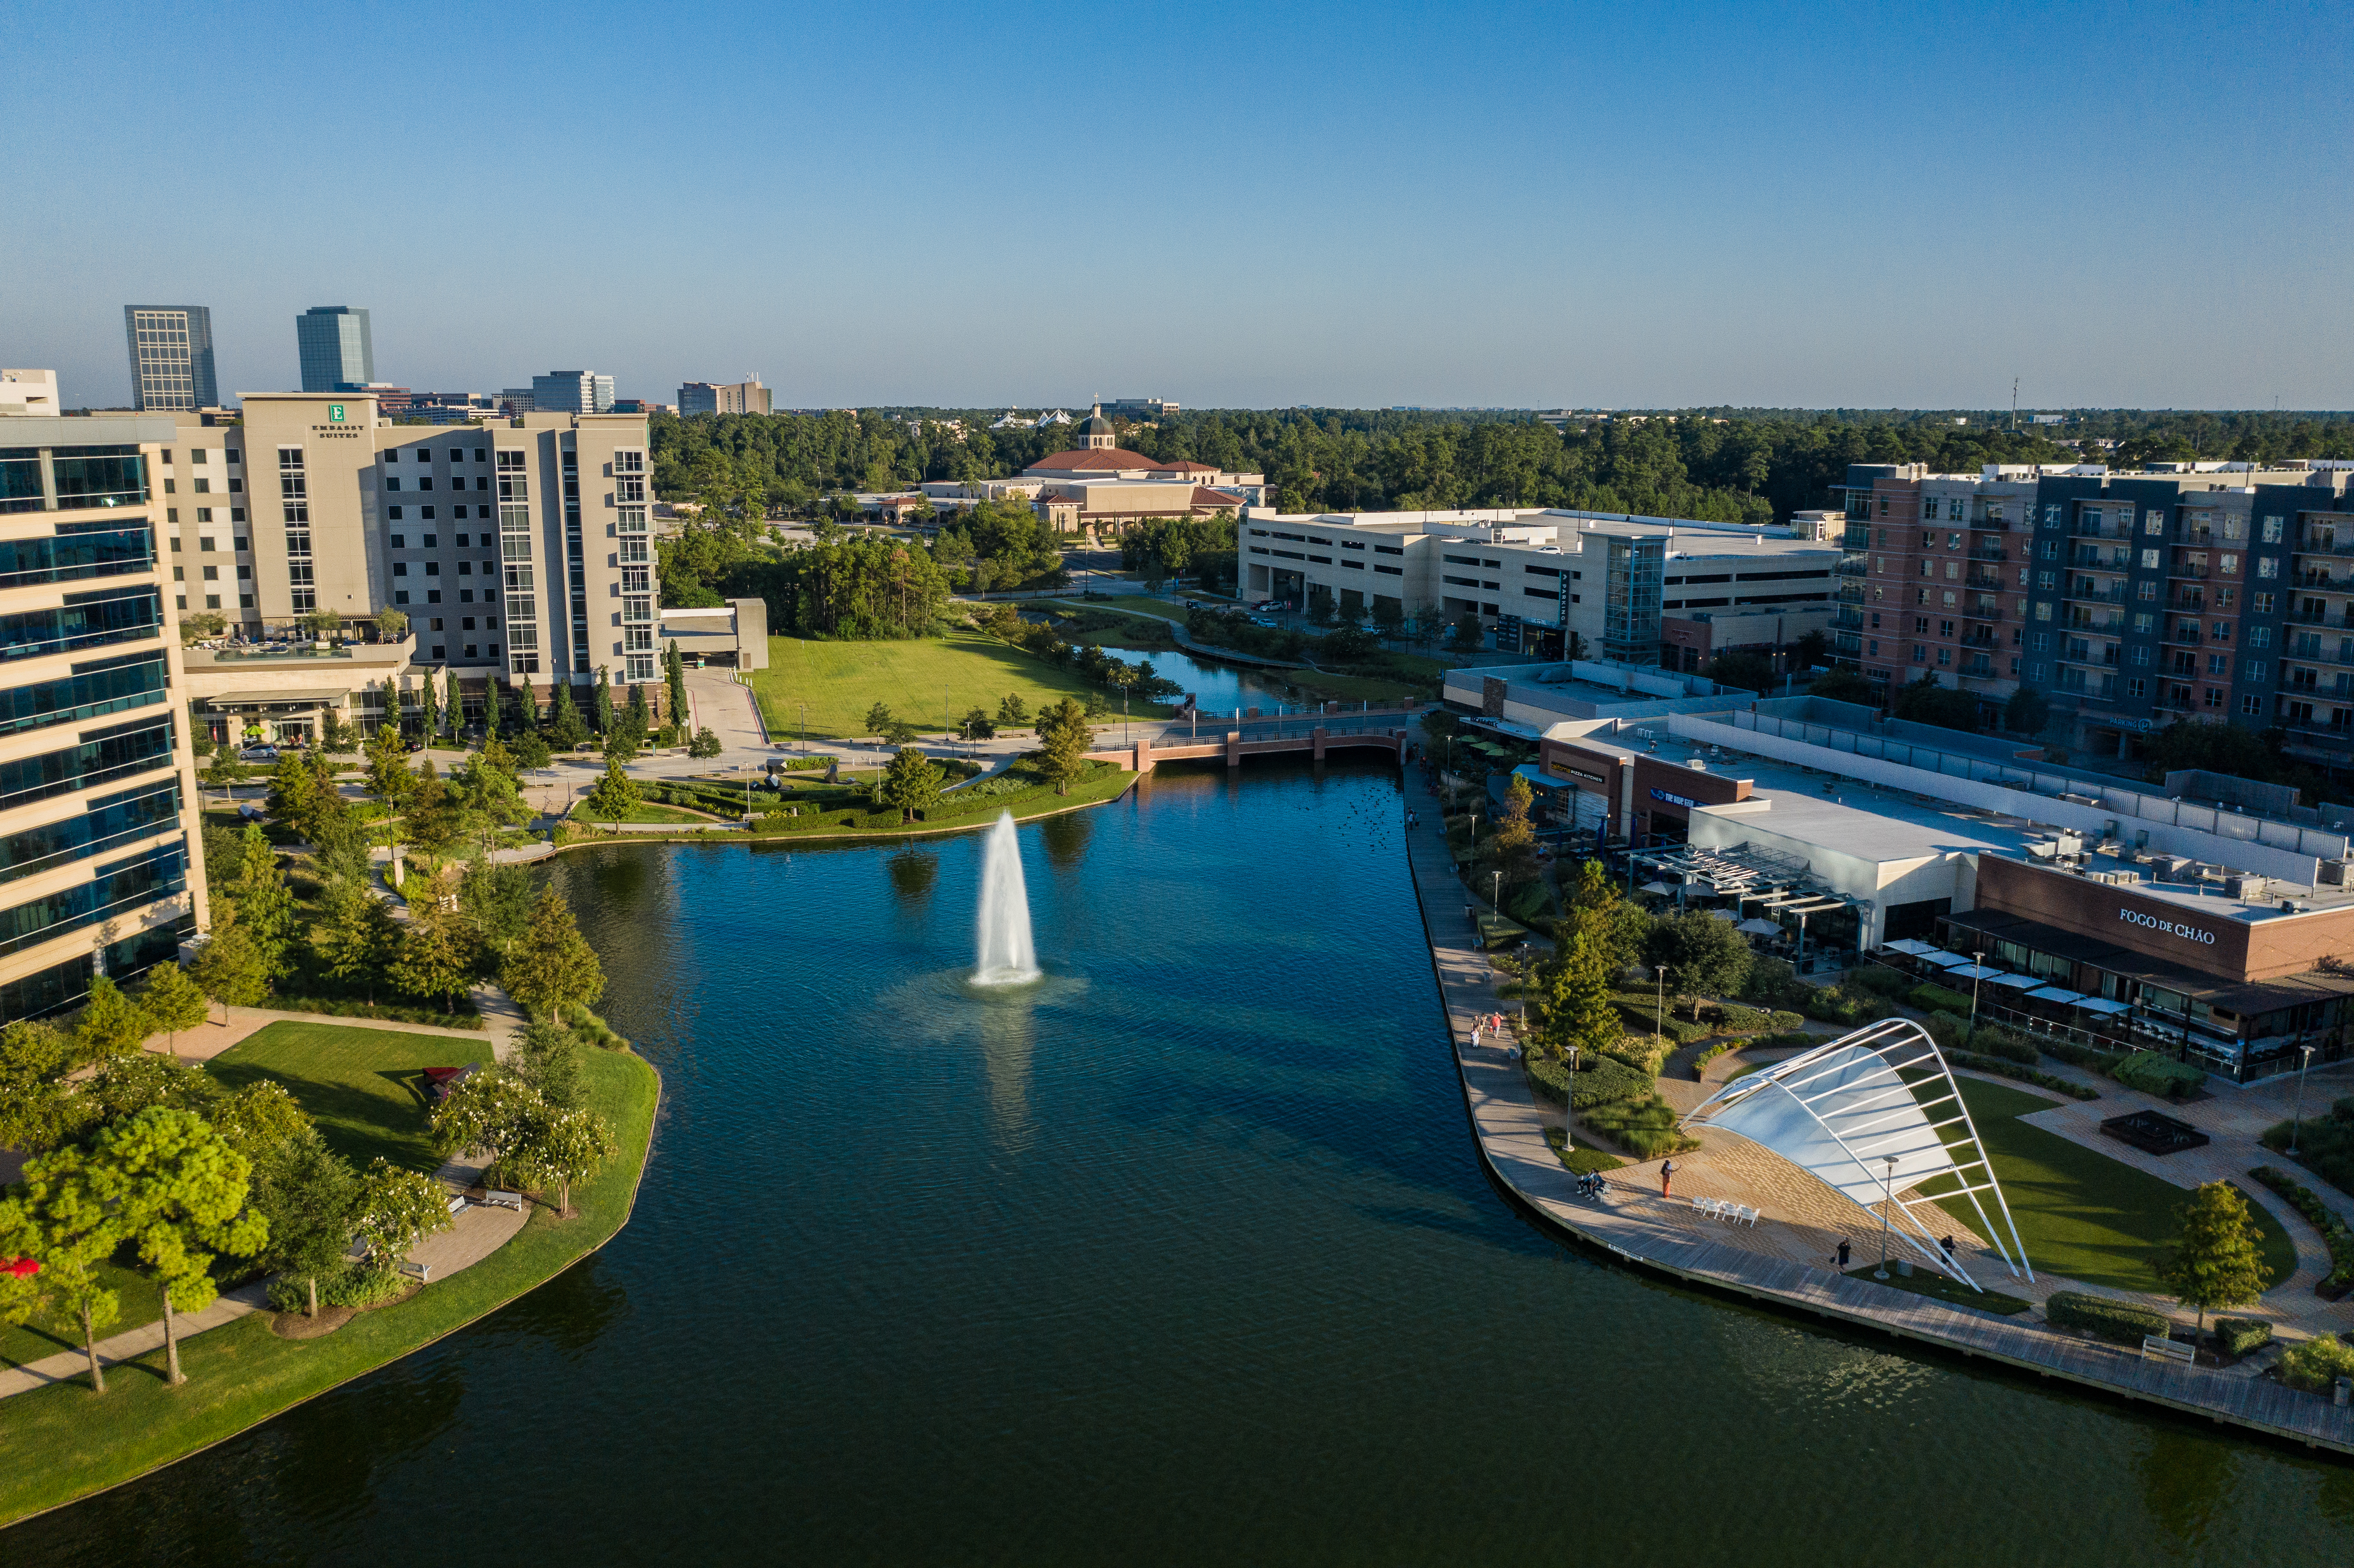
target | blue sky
[{"x": 1229, "y": 205}]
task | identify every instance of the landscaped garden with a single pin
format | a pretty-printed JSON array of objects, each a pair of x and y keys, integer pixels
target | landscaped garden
[
  {"x": 364, "y": 1089},
  {"x": 931, "y": 682}
]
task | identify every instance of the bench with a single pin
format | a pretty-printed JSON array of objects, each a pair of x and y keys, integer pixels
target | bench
[
  {"x": 494, "y": 1198},
  {"x": 422, "y": 1271},
  {"x": 458, "y": 1203},
  {"x": 2163, "y": 1349}
]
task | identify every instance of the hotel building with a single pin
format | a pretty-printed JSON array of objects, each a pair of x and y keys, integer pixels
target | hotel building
[{"x": 99, "y": 868}]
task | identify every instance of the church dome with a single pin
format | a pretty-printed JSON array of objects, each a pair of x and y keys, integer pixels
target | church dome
[{"x": 1097, "y": 433}]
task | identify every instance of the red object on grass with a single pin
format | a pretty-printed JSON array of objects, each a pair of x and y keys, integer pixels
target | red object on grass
[{"x": 22, "y": 1267}]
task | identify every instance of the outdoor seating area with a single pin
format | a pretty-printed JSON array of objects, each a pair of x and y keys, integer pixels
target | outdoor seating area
[
  {"x": 1732, "y": 1213},
  {"x": 2027, "y": 1001},
  {"x": 1771, "y": 898}
]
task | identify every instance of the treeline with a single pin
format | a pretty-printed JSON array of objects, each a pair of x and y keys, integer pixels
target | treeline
[{"x": 854, "y": 589}]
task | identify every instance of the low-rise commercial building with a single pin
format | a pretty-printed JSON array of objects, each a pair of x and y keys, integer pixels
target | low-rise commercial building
[{"x": 100, "y": 860}]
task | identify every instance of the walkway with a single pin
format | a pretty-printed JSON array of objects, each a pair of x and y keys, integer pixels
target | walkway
[
  {"x": 1784, "y": 1259},
  {"x": 131, "y": 1343}
]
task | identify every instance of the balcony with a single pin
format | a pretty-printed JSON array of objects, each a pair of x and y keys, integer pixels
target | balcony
[
  {"x": 1985, "y": 581},
  {"x": 2083, "y": 593},
  {"x": 1853, "y": 568},
  {"x": 1989, "y": 553},
  {"x": 2180, "y": 569},
  {"x": 2094, "y": 561},
  {"x": 2181, "y": 637},
  {"x": 2105, "y": 659},
  {"x": 2325, "y": 582},
  {"x": 1848, "y": 619},
  {"x": 2325, "y": 545},
  {"x": 2300, "y": 618},
  {"x": 1979, "y": 669},
  {"x": 1980, "y": 640},
  {"x": 2079, "y": 529}
]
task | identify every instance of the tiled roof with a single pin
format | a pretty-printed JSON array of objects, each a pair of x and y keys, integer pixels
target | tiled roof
[{"x": 1106, "y": 458}]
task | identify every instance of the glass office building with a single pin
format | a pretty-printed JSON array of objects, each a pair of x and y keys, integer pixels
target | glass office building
[
  {"x": 171, "y": 357},
  {"x": 334, "y": 346}
]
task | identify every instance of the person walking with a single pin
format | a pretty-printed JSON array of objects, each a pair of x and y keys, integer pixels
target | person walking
[
  {"x": 1667, "y": 1175},
  {"x": 1842, "y": 1256}
]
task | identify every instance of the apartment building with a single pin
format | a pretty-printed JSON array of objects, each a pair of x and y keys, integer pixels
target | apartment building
[
  {"x": 2211, "y": 591},
  {"x": 1610, "y": 579},
  {"x": 519, "y": 548},
  {"x": 100, "y": 866}
]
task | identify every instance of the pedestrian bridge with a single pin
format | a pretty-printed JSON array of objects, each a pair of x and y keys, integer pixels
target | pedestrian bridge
[{"x": 1234, "y": 746}]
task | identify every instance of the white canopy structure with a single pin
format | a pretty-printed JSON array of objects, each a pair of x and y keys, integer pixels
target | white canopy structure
[{"x": 1866, "y": 1114}]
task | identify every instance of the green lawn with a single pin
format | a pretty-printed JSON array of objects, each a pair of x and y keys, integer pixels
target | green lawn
[
  {"x": 364, "y": 1087},
  {"x": 840, "y": 681},
  {"x": 643, "y": 812},
  {"x": 2080, "y": 1214},
  {"x": 65, "y": 1443}
]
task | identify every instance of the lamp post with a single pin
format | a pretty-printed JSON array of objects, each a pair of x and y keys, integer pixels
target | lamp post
[
  {"x": 1496, "y": 891},
  {"x": 1888, "y": 1201},
  {"x": 804, "y": 729},
  {"x": 1660, "y": 1005},
  {"x": 1978, "y": 963},
  {"x": 2297, "y": 1117}
]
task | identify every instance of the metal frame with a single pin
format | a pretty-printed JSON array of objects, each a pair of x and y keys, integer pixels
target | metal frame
[{"x": 1859, "y": 1122}]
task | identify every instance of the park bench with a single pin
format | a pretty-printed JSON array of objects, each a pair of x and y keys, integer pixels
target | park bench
[
  {"x": 422, "y": 1271},
  {"x": 2163, "y": 1349},
  {"x": 495, "y": 1199},
  {"x": 457, "y": 1203}
]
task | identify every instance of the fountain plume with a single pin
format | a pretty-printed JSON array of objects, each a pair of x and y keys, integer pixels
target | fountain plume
[{"x": 1005, "y": 956}]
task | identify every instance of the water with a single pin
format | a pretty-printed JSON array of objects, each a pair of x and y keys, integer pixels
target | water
[
  {"x": 1003, "y": 955},
  {"x": 1181, "y": 1255}
]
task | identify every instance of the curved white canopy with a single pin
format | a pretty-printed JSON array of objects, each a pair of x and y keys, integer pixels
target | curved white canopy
[{"x": 1872, "y": 1114}]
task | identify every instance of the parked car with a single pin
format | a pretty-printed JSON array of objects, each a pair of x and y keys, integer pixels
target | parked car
[
  {"x": 1261, "y": 621},
  {"x": 1192, "y": 604},
  {"x": 258, "y": 753}
]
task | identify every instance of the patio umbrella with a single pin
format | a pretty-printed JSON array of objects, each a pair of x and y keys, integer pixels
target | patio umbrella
[
  {"x": 1907, "y": 945},
  {"x": 1657, "y": 888},
  {"x": 1759, "y": 928},
  {"x": 2018, "y": 982},
  {"x": 1722, "y": 914},
  {"x": 1974, "y": 972}
]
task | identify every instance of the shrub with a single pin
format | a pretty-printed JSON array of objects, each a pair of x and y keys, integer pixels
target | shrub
[
  {"x": 1643, "y": 1053},
  {"x": 1648, "y": 1126},
  {"x": 2319, "y": 1215},
  {"x": 1640, "y": 1010},
  {"x": 1837, "y": 1004},
  {"x": 1773, "y": 982},
  {"x": 1937, "y": 999},
  {"x": 1608, "y": 1081},
  {"x": 366, "y": 1285},
  {"x": 2077, "y": 1056},
  {"x": 1881, "y": 980},
  {"x": 1546, "y": 1076},
  {"x": 2155, "y": 1075},
  {"x": 1733, "y": 1019},
  {"x": 2238, "y": 1336},
  {"x": 1786, "y": 1023},
  {"x": 2316, "y": 1364},
  {"x": 2103, "y": 1319},
  {"x": 1947, "y": 1029},
  {"x": 1713, "y": 1053},
  {"x": 1990, "y": 1041},
  {"x": 1781, "y": 1038}
]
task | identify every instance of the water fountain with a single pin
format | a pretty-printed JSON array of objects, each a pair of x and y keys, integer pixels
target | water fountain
[{"x": 1003, "y": 924}]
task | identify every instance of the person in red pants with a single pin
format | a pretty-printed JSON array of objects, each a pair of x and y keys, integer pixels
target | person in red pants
[{"x": 1667, "y": 1175}]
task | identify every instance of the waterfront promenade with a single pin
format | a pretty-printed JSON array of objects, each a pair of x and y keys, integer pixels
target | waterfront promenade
[{"x": 1635, "y": 1226}]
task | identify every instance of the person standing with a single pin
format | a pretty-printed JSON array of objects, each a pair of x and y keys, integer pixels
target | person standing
[{"x": 1667, "y": 1175}]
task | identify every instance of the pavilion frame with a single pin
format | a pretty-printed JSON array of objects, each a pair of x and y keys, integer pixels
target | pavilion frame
[{"x": 1861, "y": 1129}]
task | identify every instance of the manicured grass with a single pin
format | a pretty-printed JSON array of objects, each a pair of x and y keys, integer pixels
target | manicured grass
[
  {"x": 2080, "y": 1214},
  {"x": 643, "y": 812},
  {"x": 364, "y": 1087},
  {"x": 1579, "y": 1158},
  {"x": 840, "y": 681},
  {"x": 46, "y": 1333},
  {"x": 65, "y": 1443}
]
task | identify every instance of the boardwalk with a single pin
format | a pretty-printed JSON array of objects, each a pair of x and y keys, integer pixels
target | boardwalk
[{"x": 1633, "y": 1224}]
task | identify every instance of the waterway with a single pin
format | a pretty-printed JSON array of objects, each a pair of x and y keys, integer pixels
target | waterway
[{"x": 1183, "y": 1256}]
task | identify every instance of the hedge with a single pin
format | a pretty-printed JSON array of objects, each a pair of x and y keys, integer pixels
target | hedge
[
  {"x": 1647, "y": 1126},
  {"x": 1713, "y": 1053},
  {"x": 1640, "y": 1010},
  {"x": 2238, "y": 1336},
  {"x": 1607, "y": 1083},
  {"x": 1791, "y": 1036},
  {"x": 1546, "y": 1076},
  {"x": 2322, "y": 1218},
  {"x": 1937, "y": 999},
  {"x": 1884, "y": 980},
  {"x": 1990, "y": 1041},
  {"x": 2104, "y": 1319},
  {"x": 2155, "y": 1075},
  {"x": 2002, "y": 1069},
  {"x": 1837, "y": 1004}
]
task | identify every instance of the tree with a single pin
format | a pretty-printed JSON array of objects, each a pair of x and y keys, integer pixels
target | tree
[
  {"x": 1844, "y": 685},
  {"x": 1064, "y": 739},
  {"x": 437, "y": 952},
  {"x": 1704, "y": 956},
  {"x": 388, "y": 775},
  {"x": 65, "y": 1214},
  {"x": 977, "y": 724},
  {"x": 564, "y": 726},
  {"x": 1748, "y": 672},
  {"x": 357, "y": 938},
  {"x": 180, "y": 1190},
  {"x": 392, "y": 624},
  {"x": 173, "y": 1001},
  {"x": 1576, "y": 1011},
  {"x": 878, "y": 719},
  {"x": 334, "y": 734},
  {"x": 675, "y": 678},
  {"x": 1812, "y": 649},
  {"x": 498, "y": 900},
  {"x": 1511, "y": 849},
  {"x": 705, "y": 744},
  {"x": 553, "y": 969},
  {"x": 639, "y": 715},
  {"x": 2027, "y": 712},
  {"x": 615, "y": 795},
  {"x": 225, "y": 771},
  {"x": 395, "y": 1209},
  {"x": 2214, "y": 1263},
  {"x": 491, "y": 1110},
  {"x": 111, "y": 1024},
  {"x": 493, "y": 708},
  {"x": 258, "y": 895},
  {"x": 453, "y": 704},
  {"x": 547, "y": 1058},
  {"x": 39, "y": 1109},
  {"x": 1926, "y": 702},
  {"x": 911, "y": 783},
  {"x": 310, "y": 1200},
  {"x": 1467, "y": 635},
  {"x": 428, "y": 711},
  {"x": 1011, "y": 711},
  {"x": 231, "y": 967},
  {"x": 531, "y": 750},
  {"x": 561, "y": 1147},
  {"x": 603, "y": 701},
  {"x": 258, "y": 1118}
]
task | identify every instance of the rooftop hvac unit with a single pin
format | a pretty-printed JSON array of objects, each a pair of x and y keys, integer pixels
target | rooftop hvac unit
[
  {"x": 2251, "y": 888},
  {"x": 2041, "y": 849},
  {"x": 2176, "y": 867},
  {"x": 1696, "y": 764},
  {"x": 2072, "y": 843},
  {"x": 2330, "y": 874}
]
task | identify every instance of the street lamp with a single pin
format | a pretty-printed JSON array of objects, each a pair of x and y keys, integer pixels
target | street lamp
[
  {"x": 1496, "y": 891},
  {"x": 1660, "y": 1005},
  {"x": 1888, "y": 1190},
  {"x": 2298, "y": 1115},
  {"x": 1977, "y": 964}
]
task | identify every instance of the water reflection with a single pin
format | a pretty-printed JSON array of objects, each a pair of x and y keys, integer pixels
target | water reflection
[
  {"x": 1064, "y": 838},
  {"x": 913, "y": 873},
  {"x": 572, "y": 1311},
  {"x": 1008, "y": 1031},
  {"x": 2185, "y": 1475}
]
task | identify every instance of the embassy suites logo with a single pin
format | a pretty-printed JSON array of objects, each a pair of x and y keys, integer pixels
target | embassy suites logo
[{"x": 2187, "y": 933}]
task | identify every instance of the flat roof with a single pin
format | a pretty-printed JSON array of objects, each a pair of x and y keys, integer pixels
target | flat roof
[{"x": 1861, "y": 820}]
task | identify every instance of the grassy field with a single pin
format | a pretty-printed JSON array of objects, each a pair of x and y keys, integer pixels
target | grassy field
[
  {"x": 364, "y": 1087},
  {"x": 2080, "y": 1214},
  {"x": 65, "y": 1442},
  {"x": 840, "y": 681},
  {"x": 642, "y": 811}
]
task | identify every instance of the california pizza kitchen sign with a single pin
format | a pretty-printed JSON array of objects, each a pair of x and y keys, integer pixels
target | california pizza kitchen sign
[{"x": 2187, "y": 933}]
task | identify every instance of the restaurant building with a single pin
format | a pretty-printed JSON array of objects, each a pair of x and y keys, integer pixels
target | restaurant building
[{"x": 2238, "y": 977}]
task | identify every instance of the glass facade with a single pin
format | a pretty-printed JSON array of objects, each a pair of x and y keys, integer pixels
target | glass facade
[
  {"x": 160, "y": 873},
  {"x": 111, "y": 823},
  {"x": 84, "y": 621},
  {"x": 76, "y": 550},
  {"x": 93, "y": 690},
  {"x": 171, "y": 357},
  {"x": 99, "y": 756}
]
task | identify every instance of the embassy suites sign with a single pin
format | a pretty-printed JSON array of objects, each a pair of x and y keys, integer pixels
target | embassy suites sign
[{"x": 2132, "y": 917}]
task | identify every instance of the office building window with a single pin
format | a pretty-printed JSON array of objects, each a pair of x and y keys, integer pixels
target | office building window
[
  {"x": 393, "y": 512},
  {"x": 2251, "y": 703}
]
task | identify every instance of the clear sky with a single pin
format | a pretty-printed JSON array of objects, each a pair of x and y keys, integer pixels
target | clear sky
[{"x": 1365, "y": 203}]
